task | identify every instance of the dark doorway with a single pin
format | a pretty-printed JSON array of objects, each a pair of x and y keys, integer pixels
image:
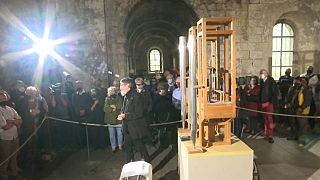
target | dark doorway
[{"x": 156, "y": 25}]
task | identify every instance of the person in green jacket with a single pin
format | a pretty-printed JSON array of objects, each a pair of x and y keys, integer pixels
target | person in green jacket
[{"x": 112, "y": 107}]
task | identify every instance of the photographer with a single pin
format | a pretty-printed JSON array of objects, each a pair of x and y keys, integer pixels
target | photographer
[{"x": 59, "y": 102}]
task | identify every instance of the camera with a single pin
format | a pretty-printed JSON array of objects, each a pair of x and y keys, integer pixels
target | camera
[{"x": 55, "y": 88}]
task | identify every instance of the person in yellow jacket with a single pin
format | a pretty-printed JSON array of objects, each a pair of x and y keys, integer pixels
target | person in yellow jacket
[{"x": 304, "y": 101}]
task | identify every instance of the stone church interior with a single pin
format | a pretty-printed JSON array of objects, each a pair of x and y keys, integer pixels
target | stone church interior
[{"x": 160, "y": 89}]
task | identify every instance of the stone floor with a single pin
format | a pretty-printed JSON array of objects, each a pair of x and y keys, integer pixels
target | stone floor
[
  {"x": 279, "y": 161},
  {"x": 284, "y": 159},
  {"x": 107, "y": 165}
]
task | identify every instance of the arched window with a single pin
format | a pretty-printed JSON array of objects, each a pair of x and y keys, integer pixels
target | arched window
[
  {"x": 282, "y": 49},
  {"x": 155, "y": 61}
]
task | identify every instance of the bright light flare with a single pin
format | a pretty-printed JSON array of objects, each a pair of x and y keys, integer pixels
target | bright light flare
[{"x": 43, "y": 47}]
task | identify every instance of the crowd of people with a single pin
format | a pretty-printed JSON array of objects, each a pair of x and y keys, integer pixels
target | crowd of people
[
  {"x": 130, "y": 105},
  {"x": 298, "y": 96},
  {"x": 127, "y": 107}
]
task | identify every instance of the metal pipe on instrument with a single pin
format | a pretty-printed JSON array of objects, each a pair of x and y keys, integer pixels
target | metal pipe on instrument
[
  {"x": 192, "y": 75},
  {"x": 182, "y": 60}
]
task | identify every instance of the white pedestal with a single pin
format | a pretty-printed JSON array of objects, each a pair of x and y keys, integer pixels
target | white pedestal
[{"x": 223, "y": 162}]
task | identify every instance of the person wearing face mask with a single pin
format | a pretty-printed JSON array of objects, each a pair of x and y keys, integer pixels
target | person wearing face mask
[
  {"x": 268, "y": 98},
  {"x": 94, "y": 116},
  {"x": 176, "y": 101},
  {"x": 171, "y": 83},
  {"x": 304, "y": 98},
  {"x": 252, "y": 91},
  {"x": 10, "y": 122},
  {"x": 112, "y": 106},
  {"x": 146, "y": 97},
  {"x": 81, "y": 103},
  {"x": 153, "y": 87},
  {"x": 162, "y": 113},
  {"x": 292, "y": 106},
  {"x": 311, "y": 77},
  {"x": 17, "y": 95},
  {"x": 100, "y": 95},
  {"x": 35, "y": 109},
  {"x": 69, "y": 88},
  {"x": 176, "y": 95},
  {"x": 60, "y": 109},
  {"x": 284, "y": 83},
  {"x": 313, "y": 80},
  {"x": 160, "y": 78},
  {"x": 132, "y": 115}
]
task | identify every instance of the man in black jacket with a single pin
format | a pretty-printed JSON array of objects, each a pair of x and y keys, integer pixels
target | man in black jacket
[
  {"x": 81, "y": 102},
  {"x": 135, "y": 128},
  {"x": 268, "y": 98}
]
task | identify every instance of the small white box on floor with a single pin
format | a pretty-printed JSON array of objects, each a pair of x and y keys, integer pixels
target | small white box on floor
[{"x": 136, "y": 169}]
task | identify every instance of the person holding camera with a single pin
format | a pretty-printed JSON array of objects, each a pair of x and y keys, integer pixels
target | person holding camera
[{"x": 59, "y": 102}]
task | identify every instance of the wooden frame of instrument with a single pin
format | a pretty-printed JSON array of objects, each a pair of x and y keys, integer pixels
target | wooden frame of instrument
[{"x": 216, "y": 92}]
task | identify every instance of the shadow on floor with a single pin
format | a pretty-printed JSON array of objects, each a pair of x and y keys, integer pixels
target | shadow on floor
[
  {"x": 165, "y": 160},
  {"x": 172, "y": 175}
]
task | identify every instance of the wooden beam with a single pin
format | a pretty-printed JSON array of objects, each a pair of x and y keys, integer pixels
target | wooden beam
[{"x": 220, "y": 32}]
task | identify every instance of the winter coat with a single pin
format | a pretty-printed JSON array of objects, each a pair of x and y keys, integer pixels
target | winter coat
[
  {"x": 304, "y": 100},
  {"x": 81, "y": 101},
  {"x": 162, "y": 108},
  {"x": 134, "y": 123},
  {"x": 252, "y": 99},
  {"x": 110, "y": 117},
  {"x": 269, "y": 91}
]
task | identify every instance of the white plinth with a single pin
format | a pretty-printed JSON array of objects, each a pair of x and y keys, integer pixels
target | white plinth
[{"x": 223, "y": 162}]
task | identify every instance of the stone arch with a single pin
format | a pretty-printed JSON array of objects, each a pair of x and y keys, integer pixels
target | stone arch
[
  {"x": 306, "y": 50},
  {"x": 156, "y": 23}
]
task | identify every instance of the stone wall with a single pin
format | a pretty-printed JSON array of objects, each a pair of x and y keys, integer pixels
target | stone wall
[
  {"x": 83, "y": 21},
  {"x": 255, "y": 20},
  {"x": 103, "y": 45}
]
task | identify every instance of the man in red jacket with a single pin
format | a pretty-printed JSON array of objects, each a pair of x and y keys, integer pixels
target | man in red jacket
[{"x": 268, "y": 98}]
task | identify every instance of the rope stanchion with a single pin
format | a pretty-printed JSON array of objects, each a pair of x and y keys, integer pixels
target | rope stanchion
[
  {"x": 106, "y": 125},
  {"x": 278, "y": 114},
  {"x": 152, "y": 125},
  {"x": 23, "y": 144},
  {"x": 166, "y": 123},
  {"x": 88, "y": 145}
]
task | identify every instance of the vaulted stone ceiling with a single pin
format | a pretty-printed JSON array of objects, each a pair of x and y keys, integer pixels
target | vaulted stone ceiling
[{"x": 157, "y": 23}]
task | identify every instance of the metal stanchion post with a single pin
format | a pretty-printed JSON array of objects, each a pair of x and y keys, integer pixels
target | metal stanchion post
[
  {"x": 88, "y": 146},
  {"x": 49, "y": 124}
]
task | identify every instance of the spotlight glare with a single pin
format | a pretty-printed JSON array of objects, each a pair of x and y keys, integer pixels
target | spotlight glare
[{"x": 43, "y": 47}]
